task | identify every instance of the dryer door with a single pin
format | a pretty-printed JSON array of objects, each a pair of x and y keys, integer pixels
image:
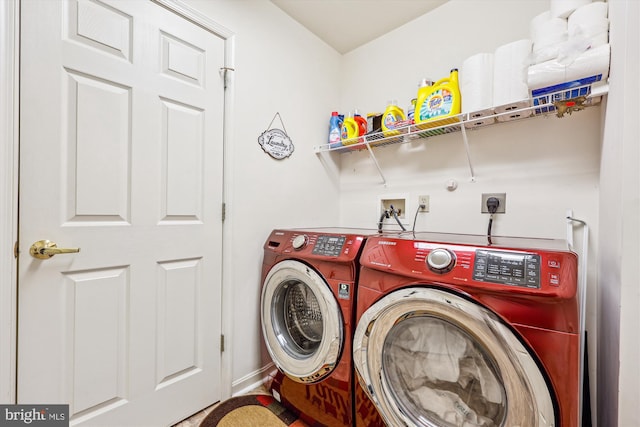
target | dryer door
[
  {"x": 301, "y": 322},
  {"x": 428, "y": 357}
]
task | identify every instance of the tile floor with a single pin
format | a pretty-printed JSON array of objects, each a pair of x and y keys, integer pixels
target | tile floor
[{"x": 195, "y": 419}]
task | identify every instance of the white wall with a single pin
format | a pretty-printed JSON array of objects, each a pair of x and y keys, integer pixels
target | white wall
[
  {"x": 619, "y": 270},
  {"x": 280, "y": 67},
  {"x": 429, "y": 46},
  {"x": 546, "y": 165}
]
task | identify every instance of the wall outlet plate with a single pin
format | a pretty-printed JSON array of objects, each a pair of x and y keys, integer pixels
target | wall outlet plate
[
  {"x": 423, "y": 200},
  {"x": 502, "y": 198}
]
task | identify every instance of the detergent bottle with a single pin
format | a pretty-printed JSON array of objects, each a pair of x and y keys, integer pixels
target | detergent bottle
[
  {"x": 438, "y": 104},
  {"x": 335, "y": 129},
  {"x": 349, "y": 133},
  {"x": 361, "y": 122},
  {"x": 411, "y": 110},
  {"x": 391, "y": 116}
]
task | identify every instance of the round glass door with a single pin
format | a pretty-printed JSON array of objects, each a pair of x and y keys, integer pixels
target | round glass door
[
  {"x": 440, "y": 376},
  {"x": 430, "y": 358},
  {"x": 301, "y": 322}
]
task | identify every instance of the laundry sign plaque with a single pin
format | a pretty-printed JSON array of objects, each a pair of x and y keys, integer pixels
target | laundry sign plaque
[{"x": 276, "y": 142}]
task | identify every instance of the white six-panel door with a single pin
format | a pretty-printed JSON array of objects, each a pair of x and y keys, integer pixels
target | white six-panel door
[{"x": 121, "y": 156}]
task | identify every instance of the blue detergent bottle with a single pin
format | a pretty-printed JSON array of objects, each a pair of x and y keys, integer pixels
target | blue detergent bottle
[{"x": 335, "y": 127}]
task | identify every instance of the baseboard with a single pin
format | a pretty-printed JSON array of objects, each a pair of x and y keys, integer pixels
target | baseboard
[{"x": 252, "y": 380}]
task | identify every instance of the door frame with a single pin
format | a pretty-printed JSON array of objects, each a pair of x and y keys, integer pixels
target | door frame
[
  {"x": 9, "y": 180},
  {"x": 9, "y": 126}
]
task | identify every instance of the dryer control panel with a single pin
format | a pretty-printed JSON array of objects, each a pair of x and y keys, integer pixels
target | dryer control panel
[
  {"x": 327, "y": 245},
  {"x": 334, "y": 244},
  {"x": 507, "y": 268}
]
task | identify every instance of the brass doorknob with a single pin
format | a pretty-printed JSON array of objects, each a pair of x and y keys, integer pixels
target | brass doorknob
[{"x": 45, "y": 249}]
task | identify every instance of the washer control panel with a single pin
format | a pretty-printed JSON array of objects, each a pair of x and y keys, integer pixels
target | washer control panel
[
  {"x": 507, "y": 268},
  {"x": 327, "y": 245}
]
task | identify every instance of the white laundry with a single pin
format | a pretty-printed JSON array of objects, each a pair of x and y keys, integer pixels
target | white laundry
[
  {"x": 476, "y": 368},
  {"x": 436, "y": 349},
  {"x": 431, "y": 365},
  {"x": 450, "y": 408}
]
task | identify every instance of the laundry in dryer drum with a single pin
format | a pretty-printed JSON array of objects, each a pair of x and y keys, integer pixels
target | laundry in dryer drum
[{"x": 451, "y": 366}]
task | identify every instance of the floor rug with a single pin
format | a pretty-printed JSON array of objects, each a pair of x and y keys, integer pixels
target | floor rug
[{"x": 253, "y": 410}]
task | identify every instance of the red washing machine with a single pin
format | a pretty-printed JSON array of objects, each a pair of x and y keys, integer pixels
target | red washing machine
[
  {"x": 307, "y": 314},
  {"x": 452, "y": 331}
]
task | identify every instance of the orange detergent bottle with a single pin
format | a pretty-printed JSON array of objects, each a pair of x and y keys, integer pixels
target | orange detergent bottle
[
  {"x": 361, "y": 122},
  {"x": 438, "y": 104}
]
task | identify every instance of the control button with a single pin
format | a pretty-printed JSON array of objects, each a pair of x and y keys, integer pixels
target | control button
[
  {"x": 300, "y": 242},
  {"x": 441, "y": 260},
  {"x": 554, "y": 279},
  {"x": 554, "y": 263}
]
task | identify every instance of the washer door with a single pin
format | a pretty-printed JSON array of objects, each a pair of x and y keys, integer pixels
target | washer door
[
  {"x": 428, "y": 357},
  {"x": 301, "y": 322}
]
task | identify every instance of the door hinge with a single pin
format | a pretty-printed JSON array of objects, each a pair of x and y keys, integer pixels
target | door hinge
[
  {"x": 225, "y": 75},
  {"x": 224, "y": 211},
  {"x": 221, "y": 343},
  {"x": 16, "y": 250}
]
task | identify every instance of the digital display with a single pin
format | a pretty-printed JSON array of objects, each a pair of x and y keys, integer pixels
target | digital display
[
  {"x": 507, "y": 268},
  {"x": 329, "y": 245}
]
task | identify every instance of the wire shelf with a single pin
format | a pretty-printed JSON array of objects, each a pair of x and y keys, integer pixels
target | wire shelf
[{"x": 570, "y": 98}]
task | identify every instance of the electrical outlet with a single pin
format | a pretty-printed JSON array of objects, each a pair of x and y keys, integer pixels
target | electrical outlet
[
  {"x": 502, "y": 198},
  {"x": 398, "y": 205},
  {"x": 423, "y": 200}
]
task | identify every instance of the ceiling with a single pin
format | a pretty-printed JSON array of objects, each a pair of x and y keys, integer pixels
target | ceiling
[{"x": 348, "y": 24}]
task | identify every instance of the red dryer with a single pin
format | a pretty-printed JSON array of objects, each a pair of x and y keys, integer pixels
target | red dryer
[
  {"x": 452, "y": 331},
  {"x": 307, "y": 313}
]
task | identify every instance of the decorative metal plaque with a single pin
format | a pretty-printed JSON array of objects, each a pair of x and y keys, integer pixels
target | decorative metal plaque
[{"x": 276, "y": 142}]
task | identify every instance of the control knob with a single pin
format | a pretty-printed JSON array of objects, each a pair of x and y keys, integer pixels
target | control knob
[
  {"x": 300, "y": 241},
  {"x": 441, "y": 260}
]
